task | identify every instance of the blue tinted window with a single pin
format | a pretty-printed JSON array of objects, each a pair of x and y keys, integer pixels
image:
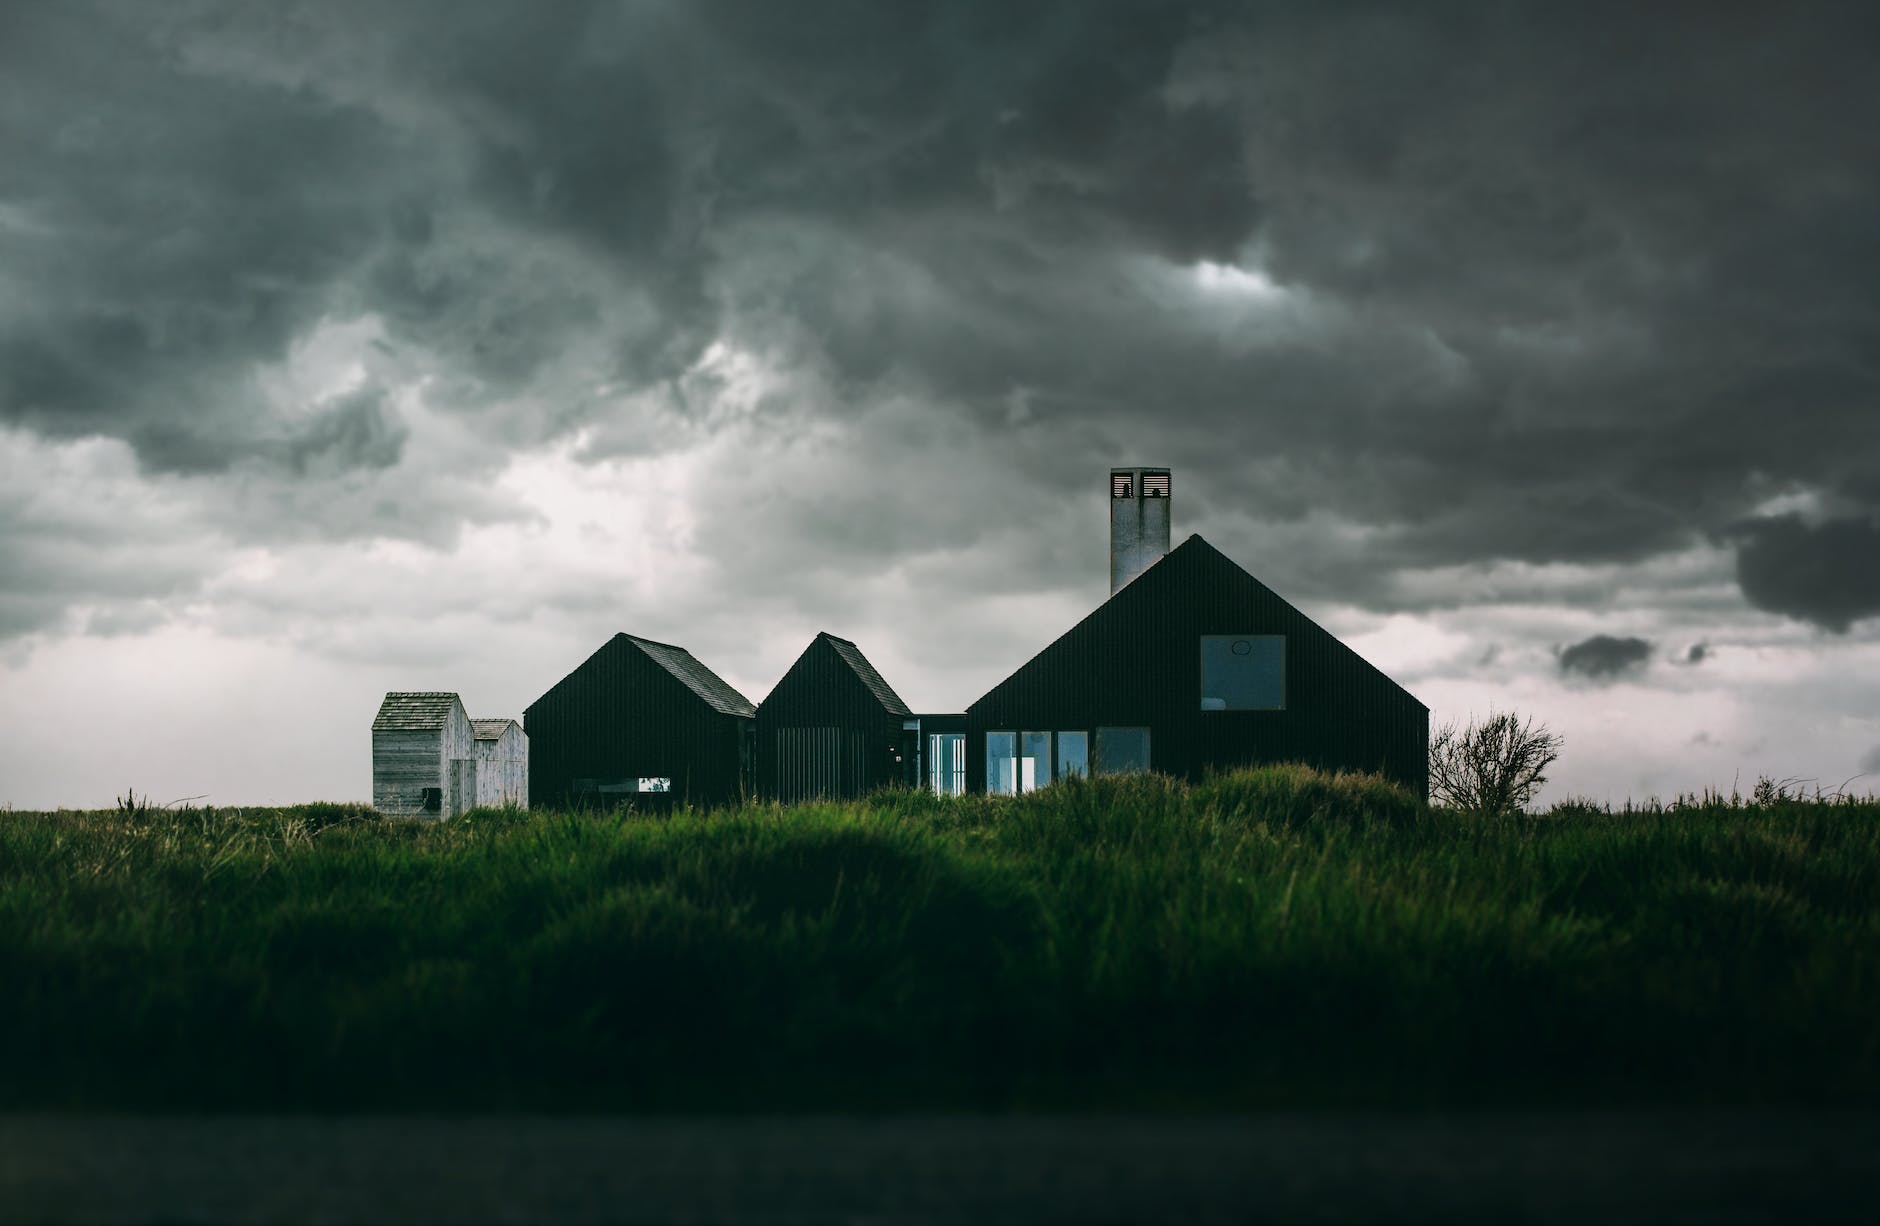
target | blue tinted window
[
  {"x": 1243, "y": 672},
  {"x": 1001, "y": 764},
  {"x": 1122, "y": 749},
  {"x": 1073, "y": 754},
  {"x": 1034, "y": 761}
]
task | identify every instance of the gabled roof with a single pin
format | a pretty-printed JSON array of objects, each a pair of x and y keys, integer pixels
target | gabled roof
[
  {"x": 852, "y": 656},
  {"x": 491, "y": 729},
  {"x": 414, "y": 710},
  {"x": 1193, "y": 565},
  {"x": 702, "y": 681}
]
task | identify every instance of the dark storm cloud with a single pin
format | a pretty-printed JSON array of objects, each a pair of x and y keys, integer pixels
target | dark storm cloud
[
  {"x": 1826, "y": 573},
  {"x": 1538, "y": 283},
  {"x": 1604, "y": 656}
]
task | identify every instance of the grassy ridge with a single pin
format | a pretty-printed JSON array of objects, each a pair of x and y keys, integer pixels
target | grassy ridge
[{"x": 1270, "y": 937}]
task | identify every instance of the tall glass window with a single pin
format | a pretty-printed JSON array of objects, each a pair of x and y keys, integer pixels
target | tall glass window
[
  {"x": 1034, "y": 760},
  {"x": 946, "y": 763},
  {"x": 1001, "y": 763},
  {"x": 1122, "y": 749},
  {"x": 1073, "y": 756}
]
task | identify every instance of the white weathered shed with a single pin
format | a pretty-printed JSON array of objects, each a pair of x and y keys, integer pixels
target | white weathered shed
[
  {"x": 502, "y": 763},
  {"x": 423, "y": 756}
]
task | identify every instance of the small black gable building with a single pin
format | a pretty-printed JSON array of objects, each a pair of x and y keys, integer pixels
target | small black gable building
[
  {"x": 643, "y": 721},
  {"x": 1191, "y": 664},
  {"x": 832, "y": 727}
]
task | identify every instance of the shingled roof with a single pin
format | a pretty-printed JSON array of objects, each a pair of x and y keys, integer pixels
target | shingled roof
[
  {"x": 883, "y": 692},
  {"x": 702, "y": 681},
  {"x": 414, "y": 710},
  {"x": 491, "y": 729}
]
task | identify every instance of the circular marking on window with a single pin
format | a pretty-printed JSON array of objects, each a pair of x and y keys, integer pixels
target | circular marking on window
[{"x": 1242, "y": 647}]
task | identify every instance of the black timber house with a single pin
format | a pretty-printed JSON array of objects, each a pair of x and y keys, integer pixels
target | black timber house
[
  {"x": 1191, "y": 665},
  {"x": 1194, "y": 665},
  {"x": 832, "y": 727},
  {"x": 640, "y": 721}
]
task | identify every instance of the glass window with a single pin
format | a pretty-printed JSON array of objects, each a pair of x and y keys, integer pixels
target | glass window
[
  {"x": 1122, "y": 749},
  {"x": 1034, "y": 760},
  {"x": 1001, "y": 763},
  {"x": 1243, "y": 672},
  {"x": 946, "y": 763},
  {"x": 1073, "y": 754}
]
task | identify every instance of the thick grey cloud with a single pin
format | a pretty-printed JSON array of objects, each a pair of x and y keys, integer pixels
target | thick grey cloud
[
  {"x": 1826, "y": 573},
  {"x": 1467, "y": 284},
  {"x": 1604, "y": 656}
]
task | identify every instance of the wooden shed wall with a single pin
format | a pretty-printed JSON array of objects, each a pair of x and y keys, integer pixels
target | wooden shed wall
[
  {"x": 1135, "y": 661},
  {"x": 823, "y": 732},
  {"x": 620, "y": 716},
  {"x": 503, "y": 770},
  {"x": 405, "y": 761},
  {"x": 460, "y": 753}
]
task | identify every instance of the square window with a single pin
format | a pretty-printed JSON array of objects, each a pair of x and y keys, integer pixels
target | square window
[
  {"x": 1122, "y": 749},
  {"x": 1243, "y": 672}
]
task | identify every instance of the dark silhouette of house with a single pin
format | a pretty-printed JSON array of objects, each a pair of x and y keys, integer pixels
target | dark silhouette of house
[
  {"x": 640, "y": 721},
  {"x": 832, "y": 727},
  {"x": 1191, "y": 665}
]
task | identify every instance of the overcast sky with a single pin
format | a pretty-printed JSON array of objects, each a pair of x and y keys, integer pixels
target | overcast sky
[{"x": 1533, "y": 350}]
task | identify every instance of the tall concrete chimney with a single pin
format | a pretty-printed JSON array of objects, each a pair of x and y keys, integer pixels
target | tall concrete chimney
[{"x": 1139, "y": 499}]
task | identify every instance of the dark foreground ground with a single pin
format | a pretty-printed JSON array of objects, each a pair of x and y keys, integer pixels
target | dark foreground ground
[{"x": 1504, "y": 1168}]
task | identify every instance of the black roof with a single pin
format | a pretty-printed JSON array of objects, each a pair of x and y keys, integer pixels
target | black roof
[
  {"x": 702, "y": 681},
  {"x": 852, "y": 656},
  {"x": 1185, "y": 563}
]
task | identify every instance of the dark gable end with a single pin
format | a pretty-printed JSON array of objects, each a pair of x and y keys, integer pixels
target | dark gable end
[
  {"x": 1136, "y": 662},
  {"x": 685, "y": 668},
  {"x": 852, "y": 656},
  {"x": 638, "y": 709},
  {"x": 832, "y": 726}
]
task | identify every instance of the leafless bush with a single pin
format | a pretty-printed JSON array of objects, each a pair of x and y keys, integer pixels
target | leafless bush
[{"x": 1491, "y": 768}]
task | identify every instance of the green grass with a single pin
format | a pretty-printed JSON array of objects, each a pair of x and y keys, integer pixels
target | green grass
[{"x": 1273, "y": 937}]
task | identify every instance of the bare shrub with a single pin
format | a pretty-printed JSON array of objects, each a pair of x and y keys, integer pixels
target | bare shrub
[{"x": 1492, "y": 768}]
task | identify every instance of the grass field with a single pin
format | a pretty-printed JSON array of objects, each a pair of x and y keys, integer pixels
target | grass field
[{"x": 1268, "y": 938}]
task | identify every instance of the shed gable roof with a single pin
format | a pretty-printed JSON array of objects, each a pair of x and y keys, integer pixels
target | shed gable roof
[
  {"x": 491, "y": 729},
  {"x": 702, "y": 681},
  {"x": 852, "y": 656},
  {"x": 414, "y": 710}
]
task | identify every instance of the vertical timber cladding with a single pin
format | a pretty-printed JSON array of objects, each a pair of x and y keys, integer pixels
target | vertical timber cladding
[
  {"x": 639, "y": 710},
  {"x": 502, "y": 763},
  {"x": 831, "y": 727},
  {"x": 1136, "y": 661}
]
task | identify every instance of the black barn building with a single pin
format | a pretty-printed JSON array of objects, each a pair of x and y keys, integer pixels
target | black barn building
[
  {"x": 640, "y": 721},
  {"x": 1191, "y": 664},
  {"x": 832, "y": 727}
]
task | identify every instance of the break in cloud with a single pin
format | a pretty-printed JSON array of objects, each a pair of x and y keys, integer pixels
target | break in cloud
[{"x": 412, "y": 337}]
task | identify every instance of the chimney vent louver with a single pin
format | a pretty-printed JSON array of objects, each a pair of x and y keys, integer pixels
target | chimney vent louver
[{"x": 1139, "y": 521}]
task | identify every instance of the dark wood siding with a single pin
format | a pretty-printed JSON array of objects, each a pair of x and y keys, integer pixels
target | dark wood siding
[
  {"x": 620, "y": 716},
  {"x": 823, "y": 732},
  {"x": 1136, "y": 661}
]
